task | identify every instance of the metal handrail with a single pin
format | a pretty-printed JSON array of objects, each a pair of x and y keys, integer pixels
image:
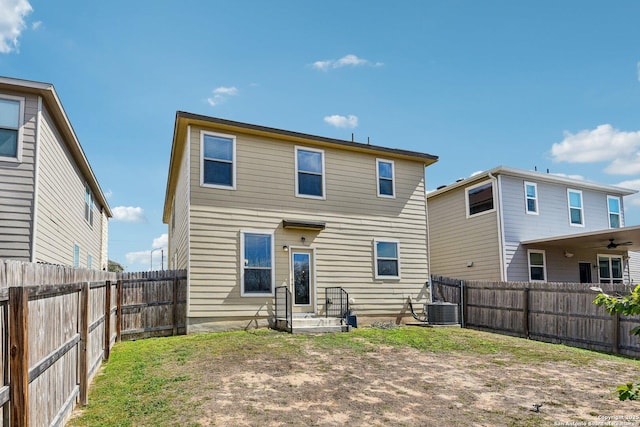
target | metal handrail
[
  {"x": 283, "y": 308},
  {"x": 336, "y": 302}
]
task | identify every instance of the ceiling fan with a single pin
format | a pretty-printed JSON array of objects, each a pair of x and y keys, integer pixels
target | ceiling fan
[{"x": 613, "y": 245}]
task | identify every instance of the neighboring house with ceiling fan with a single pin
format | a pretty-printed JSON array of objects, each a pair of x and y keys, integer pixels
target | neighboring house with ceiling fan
[
  {"x": 52, "y": 209},
  {"x": 515, "y": 225},
  {"x": 251, "y": 208}
]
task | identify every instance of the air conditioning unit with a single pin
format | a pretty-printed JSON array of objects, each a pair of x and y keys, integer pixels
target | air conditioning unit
[{"x": 442, "y": 313}]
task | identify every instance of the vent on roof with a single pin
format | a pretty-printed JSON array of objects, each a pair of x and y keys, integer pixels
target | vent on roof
[{"x": 442, "y": 313}]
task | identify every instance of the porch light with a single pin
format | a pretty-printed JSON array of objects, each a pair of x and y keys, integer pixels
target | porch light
[
  {"x": 285, "y": 248},
  {"x": 568, "y": 254}
]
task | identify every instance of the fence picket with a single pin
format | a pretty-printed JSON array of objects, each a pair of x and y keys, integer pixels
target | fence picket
[
  {"x": 63, "y": 324},
  {"x": 553, "y": 312}
]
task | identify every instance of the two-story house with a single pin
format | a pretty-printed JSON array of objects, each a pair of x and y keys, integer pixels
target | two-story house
[
  {"x": 251, "y": 208},
  {"x": 51, "y": 206},
  {"x": 508, "y": 224}
]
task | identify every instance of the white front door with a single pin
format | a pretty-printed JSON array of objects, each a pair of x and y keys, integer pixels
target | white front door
[{"x": 303, "y": 280}]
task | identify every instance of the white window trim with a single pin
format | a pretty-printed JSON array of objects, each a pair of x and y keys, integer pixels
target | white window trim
[
  {"x": 273, "y": 264},
  {"x": 610, "y": 256},
  {"x": 393, "y": 178},
  {"x": 18, "y": 158},
  {"x": 234, "y": 162},
  {"x": 526, "y": 199},
  {"x": 324, "y": 174},
  {"x": 544, "y": 264},
  {"x": 620, "y": 221},
  {"x": 89, "y": 262},
  {"x": 466, "y": 198},
  {"x": 375, "y": 258},
  {"x": 571, "y": 190}
]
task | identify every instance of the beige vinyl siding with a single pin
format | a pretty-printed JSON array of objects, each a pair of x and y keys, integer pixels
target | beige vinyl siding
[
  {"x": 61, "y": 201},
  {"x": 17, "y": 189},
  {"x": 178, "y": 237},
  {"x": 457, "y": 240},
  {"x": 354, "y": 216}
]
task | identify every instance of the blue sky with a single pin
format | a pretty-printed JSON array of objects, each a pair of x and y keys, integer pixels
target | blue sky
[{"x": 525, "y": 84}]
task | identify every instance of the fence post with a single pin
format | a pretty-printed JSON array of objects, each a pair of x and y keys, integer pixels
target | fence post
[
  {"x": 19, "y": 355},
  {"x": 107, "y": 320},
  {"x": 616, "y": 333},
  {"x": 175, "y": 305},
  {"x": 463, "y": 301},
  {"x": 119, "y": 311},
  {"x": 83, "y": 370},
  {"x": 525, "y": 312},
  {"x": 465, "y": 304}
]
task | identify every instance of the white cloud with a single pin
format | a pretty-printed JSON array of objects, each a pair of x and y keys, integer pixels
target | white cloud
[
  {"x": 603, "y": 143},
  {"x": 142, "y": 260},
  {"x": 338, "y": 121},
  {"x": 475, "y": 173},
  {"x": 629, "y": 165},
  {"x": 346, "y": 61},
  {"x": 128, "y": 214},
  {"x": 161, "y": 242},
  {"x": 12, "y": 14},
  {"x": 36, "y": 25},
  {"x": 633, "y": 184},
  {"x": 108, "y": 194},
  {"x": 220, "y": 94},
  {"x": 140, "y": 257}
]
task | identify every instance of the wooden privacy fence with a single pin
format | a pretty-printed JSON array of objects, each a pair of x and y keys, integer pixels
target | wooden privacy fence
[
  {"x": 552, "y": 312},
  {"x": 55, "y": 335}
]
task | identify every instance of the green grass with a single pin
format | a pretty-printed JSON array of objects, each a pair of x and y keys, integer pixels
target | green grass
[{"x": 156, "y": 381}]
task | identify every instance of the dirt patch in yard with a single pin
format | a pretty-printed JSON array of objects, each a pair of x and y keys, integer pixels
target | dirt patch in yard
[{"x": 382, "y": 385}]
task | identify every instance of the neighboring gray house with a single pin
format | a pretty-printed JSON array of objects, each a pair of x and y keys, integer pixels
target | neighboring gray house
[
  {"x": 51, "y": 206},
  {"x": 515, "y": 225}
]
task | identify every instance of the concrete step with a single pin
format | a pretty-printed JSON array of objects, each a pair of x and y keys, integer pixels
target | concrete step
[{"x": 306, "y": 323}]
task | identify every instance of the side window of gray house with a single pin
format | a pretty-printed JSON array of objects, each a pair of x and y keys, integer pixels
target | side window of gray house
[
  {"x": 531, "y": 198},
  {"x": 576, "y": 215},
  {"x": 615, "y": 212},
  {"x": 11, "y": 113}
]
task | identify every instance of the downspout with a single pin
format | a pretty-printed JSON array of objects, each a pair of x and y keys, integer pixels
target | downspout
[
  {"x": 499, "y": 223},
  {"x": 426, "y": 215},
  {"x": 36, "y": 175}
]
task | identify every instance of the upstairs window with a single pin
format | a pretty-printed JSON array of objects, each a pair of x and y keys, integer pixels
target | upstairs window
[
  {"x": 480, "y": 198},
  {"x": 613, "y": 204},
  {"x": 576, "y": 216},
  {"x": 257, "y": 263},
  {"x": 537, "y": 267},
  {"x": 386, "y": 178},
  {"x": 11, "y": 112},
  {"x": 387, "y": 259},
  {"x": 531, "y": 197},
  {"x": 88, "y": 206},
  {"x": 218, "y": 160},
  {"x": 310, "y": 173}
]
